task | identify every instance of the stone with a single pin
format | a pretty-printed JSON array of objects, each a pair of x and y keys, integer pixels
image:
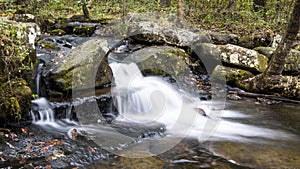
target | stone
[
  {"x": 223, "y": 39},
  {"x": 165, "y": 61},
  {"x": 243, "y": 58},
  {"x": 84, "y": 67},
  {"x": 292, "y": 63},
  {"x": 267, "y": 51},
  {"x": 233, "y": 76}
]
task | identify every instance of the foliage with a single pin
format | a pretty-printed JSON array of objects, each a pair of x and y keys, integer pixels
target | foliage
[
  {"x": 14, "y": 63},
  {"x": 238, "y": 17}
]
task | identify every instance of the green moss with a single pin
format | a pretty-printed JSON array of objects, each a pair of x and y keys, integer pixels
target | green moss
[
  {"x": 16, "y": 66},
  {"x": 262, "y": 62},
  {"x": 58, "y": 32},
  {"x": 297, "y": 47},
  {"x": 49, "y": 45},
  {"x": 84, "y": 31}
]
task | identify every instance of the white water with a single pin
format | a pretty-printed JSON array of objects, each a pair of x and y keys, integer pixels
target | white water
[
  {"x": 38, "y": 78},
  {"x": 144, "y": 100},
  {"x": 147, "y": 99}
]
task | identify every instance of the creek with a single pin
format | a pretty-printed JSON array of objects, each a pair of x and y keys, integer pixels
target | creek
[{"x": 149, "y": 122}]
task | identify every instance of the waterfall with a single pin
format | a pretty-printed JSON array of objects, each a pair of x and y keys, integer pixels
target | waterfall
[
  {"x": 38, "y": 78},
  {"x": 41, "y": 111},
  {"x": 143, "y": 99}
]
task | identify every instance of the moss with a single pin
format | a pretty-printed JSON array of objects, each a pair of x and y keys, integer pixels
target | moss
[
  {"x": 297, "y": 47},
  {"x": 16, "y": 69},
  {"x": 49, "y": 45},
  {"x": 15, "y": 94},
  {"x": 58, "y": 32},
  {"x": 262, "y": 62},
  {"x": 84, "y": 31}
]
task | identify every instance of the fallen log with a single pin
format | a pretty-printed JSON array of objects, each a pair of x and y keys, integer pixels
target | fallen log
[{"x": 271, "y": 97}]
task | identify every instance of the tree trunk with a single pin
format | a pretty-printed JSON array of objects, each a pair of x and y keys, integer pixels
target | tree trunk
[
  {"x": 180, "y": 10},
  {"x": 85, "y": 9},
  {"x": 277, "y": 62},
  {"x": 259, "y": 4}
]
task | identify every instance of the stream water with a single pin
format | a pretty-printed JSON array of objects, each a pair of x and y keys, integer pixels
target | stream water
[{"x": 160, "y": 126}]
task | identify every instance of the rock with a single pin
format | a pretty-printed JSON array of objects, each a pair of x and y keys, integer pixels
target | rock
[
  {"x": 84, "y": 67},
  {"x": 292, "y": 61},
  {"x": 223, "y": 39},
  {"x": 267, "y": 51},
  {"x": 156, "y": 30},
  {"x": 232, "y": 55},
  {"x": 286, "y": 86},
  {"x": 243, "y": 58},
  {"x": 16, "y": 73},
  {"x": 84, "y": 31},
  {"x": 233, "y": 76},
  {"x": 157, "y": 34},
  {"x": 166, "y": 61},
  {"x": 276, "y": 40}
]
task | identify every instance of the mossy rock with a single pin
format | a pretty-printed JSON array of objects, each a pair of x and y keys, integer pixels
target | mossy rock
[
  {"x": 16, "y": 96},
  {"x": 57, "y": 32},
  {"x": 49, "y": 45},
  {"x": 84, "y": 31},
  {"x": 297, "y": 47},
  {"x": 84, "y": 67},
  {"x": 233, "y": 76},
  {"x": 17, "y": 69}
]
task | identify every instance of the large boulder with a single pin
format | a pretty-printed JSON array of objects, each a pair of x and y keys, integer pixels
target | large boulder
[
  {"x": 157, "y": 34},
  {"x": 156, "y": 30},
  {"x": 243, "y": 58},
  {"x": 234, "y": 56},
  {"x": 166, "y": 61},
  {"x": 17, "y": 63},
  {"x": 84, "y": 67},
  {"x": 233, "y": 76}
]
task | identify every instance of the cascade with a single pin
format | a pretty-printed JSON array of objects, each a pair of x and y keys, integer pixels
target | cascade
[
  {"x": 38, "y": 78},
  {"x": 143, "y": 99}
]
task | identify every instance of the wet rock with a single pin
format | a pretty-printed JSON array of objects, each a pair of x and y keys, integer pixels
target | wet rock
[
  {"x": 286, "y": 86},
  {"x": 84, "y": 67},
  {"x": 57, "y": 32},
  {"x": 84, "y": 31},
  {"x": 166, "y": 61},
  {"x": 233, "y": 76}
]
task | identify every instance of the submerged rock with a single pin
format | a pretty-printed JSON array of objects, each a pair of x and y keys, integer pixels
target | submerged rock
[{"x": 84, "y": 67}]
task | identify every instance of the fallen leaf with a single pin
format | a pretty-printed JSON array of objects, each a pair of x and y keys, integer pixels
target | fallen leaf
[
  {"x": 10, "y": 145},
  {"x": 2, "y": 159},
  {"x": 24, "y": 130},
  {"x": 91, "y": 149},
  {"x": 48, "y": 167}
]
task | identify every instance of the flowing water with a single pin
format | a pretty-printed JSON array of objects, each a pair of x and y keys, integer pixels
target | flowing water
[
  {"x": 165, "y": 127},
  {"x": 155, "y": 117}
]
